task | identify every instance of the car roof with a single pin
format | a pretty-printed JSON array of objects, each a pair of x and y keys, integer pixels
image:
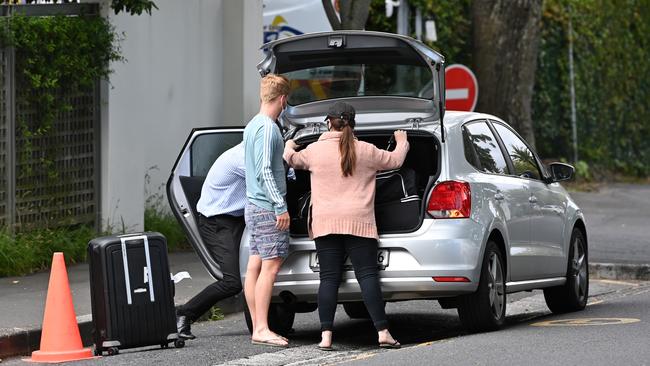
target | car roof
[{"x": 455, "y": 118}]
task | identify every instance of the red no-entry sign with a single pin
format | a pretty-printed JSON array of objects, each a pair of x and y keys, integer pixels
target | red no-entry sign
[{"x": 461, "y": 88}]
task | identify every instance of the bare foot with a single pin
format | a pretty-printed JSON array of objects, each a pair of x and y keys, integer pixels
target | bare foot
[
  {"x": 384, "y": 337},
  {"x": 326, "y": 339},
  {"x": 281, "y": 337},
  {"x": 268, "y": 336}
]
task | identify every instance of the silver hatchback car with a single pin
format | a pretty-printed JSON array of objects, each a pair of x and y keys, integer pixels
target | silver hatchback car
[{"x": 483, "y": 217}]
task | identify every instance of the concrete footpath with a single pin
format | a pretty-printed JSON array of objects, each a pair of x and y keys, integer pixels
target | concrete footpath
[{"x": 22, "y": 299}]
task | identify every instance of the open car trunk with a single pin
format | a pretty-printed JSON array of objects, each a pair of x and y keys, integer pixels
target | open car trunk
[
  {"x": 399, "y": 193},
  {"x": 399, "y": 206}
]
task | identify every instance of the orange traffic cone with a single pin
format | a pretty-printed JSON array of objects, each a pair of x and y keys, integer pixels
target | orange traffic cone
[{"x": 60, "y": 339}]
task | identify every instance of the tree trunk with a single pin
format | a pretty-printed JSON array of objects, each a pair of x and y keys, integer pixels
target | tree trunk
[
  {"x": 506, "y": 40},
  {"x": 354, "y": 14}
]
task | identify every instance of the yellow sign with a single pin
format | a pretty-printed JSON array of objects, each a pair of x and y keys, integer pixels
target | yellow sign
[{"x": 585, "y": 321}]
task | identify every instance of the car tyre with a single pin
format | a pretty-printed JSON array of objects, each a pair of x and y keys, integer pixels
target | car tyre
[
  {"x": 485, "y": 309},
  {"x": 573, "y": 295},
  {"x": 281, "y": 319},
  {"x": 356, "y": 310}
]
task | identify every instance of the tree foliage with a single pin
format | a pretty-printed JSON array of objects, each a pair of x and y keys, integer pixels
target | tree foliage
[
  {"x": 453, "y": 26},
  {"x": 133, "y": 7},
  {"x": 612, "y": 69},
  {"x": 353, "y": 14}
]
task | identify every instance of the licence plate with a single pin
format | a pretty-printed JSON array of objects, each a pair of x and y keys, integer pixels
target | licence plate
[{"x": 382, "y": 260}]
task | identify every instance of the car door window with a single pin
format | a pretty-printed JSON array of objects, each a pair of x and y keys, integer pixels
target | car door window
[
  {"x": 522, "y": 157},
  {"x": 482, "y": 149},
  {"x": 206, "y": 148}
]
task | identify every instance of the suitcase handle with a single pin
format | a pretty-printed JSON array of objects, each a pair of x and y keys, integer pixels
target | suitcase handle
[{"x": 125, "y": 261}]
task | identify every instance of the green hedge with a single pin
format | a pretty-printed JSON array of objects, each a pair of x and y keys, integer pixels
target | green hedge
[{"x": 612, "y": 74}]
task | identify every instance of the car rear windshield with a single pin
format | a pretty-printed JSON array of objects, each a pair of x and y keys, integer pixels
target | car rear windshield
[{"x": 356, "y": 80}]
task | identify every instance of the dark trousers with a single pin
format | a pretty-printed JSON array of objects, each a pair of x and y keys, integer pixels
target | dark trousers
[
  {"x": 332, "y": 250},
  {"x": 221, "y": 235}
]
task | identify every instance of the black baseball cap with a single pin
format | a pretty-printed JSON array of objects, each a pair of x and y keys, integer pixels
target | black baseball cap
[{"x": 342, "y": 110}]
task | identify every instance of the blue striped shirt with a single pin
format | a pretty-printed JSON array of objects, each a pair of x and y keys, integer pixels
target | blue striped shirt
[
  {"x": 265, "y": 177},
  {"x": 224, "y": 189}
]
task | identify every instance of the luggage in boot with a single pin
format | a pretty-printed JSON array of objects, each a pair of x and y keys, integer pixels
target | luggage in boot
[
  {"x": 132, "y": 294},
  {"x": 299, "y": 220},
  {"x": 397, "y": 204}
]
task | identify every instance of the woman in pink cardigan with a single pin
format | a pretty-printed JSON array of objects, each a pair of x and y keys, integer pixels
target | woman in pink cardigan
[{"x": 342, "y": 216}]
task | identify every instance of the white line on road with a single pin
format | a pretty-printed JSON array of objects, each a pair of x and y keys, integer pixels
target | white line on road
[
  {"x": 617, "y": 282},
  {"x": 297, "y": 356}
]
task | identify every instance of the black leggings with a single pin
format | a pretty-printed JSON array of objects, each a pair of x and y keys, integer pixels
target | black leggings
[{"x": 363, "y": 254}]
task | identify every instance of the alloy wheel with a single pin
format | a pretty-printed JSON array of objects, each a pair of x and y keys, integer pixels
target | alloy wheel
[
  {"x": 496, "y": 286},
  {"x": 579, "y": 268}
]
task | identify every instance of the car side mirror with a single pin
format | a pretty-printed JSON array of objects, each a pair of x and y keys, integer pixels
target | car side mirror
[{"x": 561, "y": 172}]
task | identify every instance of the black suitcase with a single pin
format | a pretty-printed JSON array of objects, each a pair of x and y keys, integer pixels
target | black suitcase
[
  {"x": 397, "y": 203},
  {"x": 131, "y": 291}
]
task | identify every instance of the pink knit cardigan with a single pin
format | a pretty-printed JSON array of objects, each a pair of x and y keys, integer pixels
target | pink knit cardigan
[{"x": 343, "y": 205}]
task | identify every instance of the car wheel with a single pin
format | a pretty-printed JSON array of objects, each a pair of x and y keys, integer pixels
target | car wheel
[
  {"x": 356, "y": 310},
  {"x": 573, "y": 295},
  {"x": 485, "y": 310},
  {"x": 280, "y": 319}
]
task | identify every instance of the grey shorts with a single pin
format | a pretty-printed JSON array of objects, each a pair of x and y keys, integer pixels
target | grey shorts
[{"x": 266, "y": 240}]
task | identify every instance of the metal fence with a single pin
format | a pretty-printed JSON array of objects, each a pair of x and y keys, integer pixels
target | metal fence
[{"x": 50, "y": 180}]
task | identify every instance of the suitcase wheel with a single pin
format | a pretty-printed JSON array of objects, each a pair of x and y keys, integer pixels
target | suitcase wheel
[
  {"x": 113, "y": 351},
  {"x": 179, "y": 343}
]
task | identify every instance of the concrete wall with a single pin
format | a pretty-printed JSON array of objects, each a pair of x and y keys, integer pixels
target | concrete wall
[{"x": 185, "y": 63}]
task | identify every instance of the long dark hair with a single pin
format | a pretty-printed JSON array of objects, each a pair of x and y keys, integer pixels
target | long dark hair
[{"x": 346, "y": 143}]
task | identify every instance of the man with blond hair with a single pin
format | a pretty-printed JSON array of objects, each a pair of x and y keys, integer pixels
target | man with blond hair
[{"x": 266, "y": 213}]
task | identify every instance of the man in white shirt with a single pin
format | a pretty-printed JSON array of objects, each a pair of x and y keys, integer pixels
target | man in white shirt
[{"x": 221, "y": 224}]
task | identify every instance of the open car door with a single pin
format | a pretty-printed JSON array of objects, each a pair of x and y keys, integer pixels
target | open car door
[{"x": 201, "y": 149}]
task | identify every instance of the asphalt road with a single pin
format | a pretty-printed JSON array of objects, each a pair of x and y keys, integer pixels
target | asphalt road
[
  {"x": 618, "y": 218},
  {"x": 614, "y": 330},
  {"x": 430, "y": 335}
]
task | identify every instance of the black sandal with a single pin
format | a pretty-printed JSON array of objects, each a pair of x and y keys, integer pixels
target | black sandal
[{"x": 393, "y": 345}]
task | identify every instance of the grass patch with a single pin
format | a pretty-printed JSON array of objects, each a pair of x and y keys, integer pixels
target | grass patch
[
  {"x": 214, "y": 314},
  {"x": 31, "y": 251}
]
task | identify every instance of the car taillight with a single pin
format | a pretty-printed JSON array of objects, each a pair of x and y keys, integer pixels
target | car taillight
[{"x": 450, "y": 200}]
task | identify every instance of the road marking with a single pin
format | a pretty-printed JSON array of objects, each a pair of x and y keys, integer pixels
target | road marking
[
  {"x": 639, "y": 292},
  {"x": 299, "y": 356},
  {"x": 616, "y": 282},
  {"x": 584, "y": 322},
  {"x": 595, "y": 302}
]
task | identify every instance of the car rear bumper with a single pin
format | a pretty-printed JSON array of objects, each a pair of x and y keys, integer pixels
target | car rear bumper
[
  {"x": 447, "y": 248},
  {"x": 393, "y": 289}
]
